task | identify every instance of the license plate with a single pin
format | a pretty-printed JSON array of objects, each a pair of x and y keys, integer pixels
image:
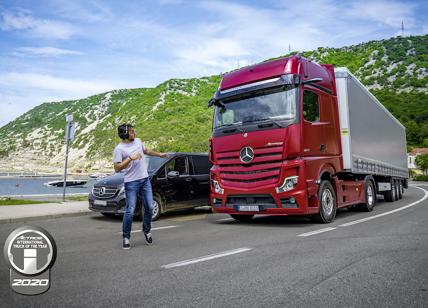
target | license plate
[
  {"x": 100, "y": 202},
  {"x": 248, "y": 208}
]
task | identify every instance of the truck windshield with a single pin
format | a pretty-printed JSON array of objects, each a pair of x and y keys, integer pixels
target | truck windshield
[{"x": 275, "y": 106}]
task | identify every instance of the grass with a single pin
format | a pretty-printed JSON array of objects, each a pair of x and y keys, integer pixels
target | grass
[
  {"x": 77, "y": 198},
  {"x": 9, "y": 201}
]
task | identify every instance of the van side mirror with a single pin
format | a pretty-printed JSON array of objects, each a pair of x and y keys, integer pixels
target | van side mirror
[{"x": 173, "y": 174}]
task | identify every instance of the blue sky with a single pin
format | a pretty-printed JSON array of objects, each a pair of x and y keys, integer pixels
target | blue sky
[{"x": 53, "y": 50}]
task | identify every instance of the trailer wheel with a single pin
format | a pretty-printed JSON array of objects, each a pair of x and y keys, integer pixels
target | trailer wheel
[
  {"x": 370, "y": 197},
  {"x": 326, "y": 202},
  {"x": 396, "y": 190},
  {"x": 390, "y": 194},
  {"x": 400, "y": 189},
  {"x": 243, "y": 218}
]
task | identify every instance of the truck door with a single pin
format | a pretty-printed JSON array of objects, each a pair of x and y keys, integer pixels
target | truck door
[{"x": 313, "y": 129}]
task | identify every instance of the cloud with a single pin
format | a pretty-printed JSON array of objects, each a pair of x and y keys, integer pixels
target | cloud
[
  {"x": 22, "y": 20},
  {"x": 390, "y": 13},
  {"x": 47, "y": 51}
]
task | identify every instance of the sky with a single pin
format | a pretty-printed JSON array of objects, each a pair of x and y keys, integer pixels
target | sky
[{"x": 53, "y": 50}]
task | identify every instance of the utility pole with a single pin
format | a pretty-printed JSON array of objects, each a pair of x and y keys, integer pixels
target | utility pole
[
  {"x": 69, "y": 136},
  {"x": 402, "y": 28}
]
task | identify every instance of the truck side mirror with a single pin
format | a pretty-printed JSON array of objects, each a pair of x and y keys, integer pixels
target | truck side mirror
[{"x": 173, "y": 174}]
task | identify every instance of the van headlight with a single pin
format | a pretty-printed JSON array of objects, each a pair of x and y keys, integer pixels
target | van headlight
[
  {"x": 289, "y": 184},
  {"x": 122, "y": 190},
  {"x": 217, "y": 187}
]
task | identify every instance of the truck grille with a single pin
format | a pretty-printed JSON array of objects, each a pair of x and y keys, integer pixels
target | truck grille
[
  {"x": 104, "y": 192},
  {"x": 263, "y": 170}
]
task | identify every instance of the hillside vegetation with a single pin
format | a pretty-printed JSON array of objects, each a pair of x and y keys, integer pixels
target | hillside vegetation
[{"x": 174, "y": 115}]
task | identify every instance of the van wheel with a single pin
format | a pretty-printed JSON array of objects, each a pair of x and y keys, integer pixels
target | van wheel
[
  {"x": 370, "y": 197},
  {"x": 326, "y": 203},
  {"x": 243, "y": 218},
  {"x": 157, "y": 207}
]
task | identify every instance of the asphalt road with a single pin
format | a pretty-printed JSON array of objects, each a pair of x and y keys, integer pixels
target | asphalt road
[{"x": 268, "y": 262}]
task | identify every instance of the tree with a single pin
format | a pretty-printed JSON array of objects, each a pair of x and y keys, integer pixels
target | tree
[{"x": 422, "y": 162}]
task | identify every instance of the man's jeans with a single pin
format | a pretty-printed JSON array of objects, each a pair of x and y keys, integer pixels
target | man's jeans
[{"x": 143, "y": 189}]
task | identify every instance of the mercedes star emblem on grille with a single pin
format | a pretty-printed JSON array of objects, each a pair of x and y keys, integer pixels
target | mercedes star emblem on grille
[
  {"x": 102, "y": 191},
  {"x": 246, "y": 155}
]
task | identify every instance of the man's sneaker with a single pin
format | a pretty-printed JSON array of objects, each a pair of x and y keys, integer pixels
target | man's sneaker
[
  {"x": 126, "y": 244},
  {"x": 149, "y": 239}
]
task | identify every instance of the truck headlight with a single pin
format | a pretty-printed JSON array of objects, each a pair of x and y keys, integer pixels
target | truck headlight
[
  {"x": 289, "y": 184},
  {"x": 217, "y": 187}
]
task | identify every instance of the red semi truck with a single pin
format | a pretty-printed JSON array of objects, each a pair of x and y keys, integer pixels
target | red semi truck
[{"x": 293, "y": 137}]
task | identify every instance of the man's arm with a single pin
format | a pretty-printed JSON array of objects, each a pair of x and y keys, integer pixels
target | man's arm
[
  {"x": 124, "y": 164},
  {"x": 154, "y": 153}
]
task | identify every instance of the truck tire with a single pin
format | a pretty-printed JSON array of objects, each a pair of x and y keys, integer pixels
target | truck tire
[
  {"x": 370, "y": 197},
  {"x": 243, "y": 218},
  {"x": 390, "y": 194},
  {"x": 396, "y": 190},
  {"x": 326, "y": 203},
  {"x": 400, "y": 189}
]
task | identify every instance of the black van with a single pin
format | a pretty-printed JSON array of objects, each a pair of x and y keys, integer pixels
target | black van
[{"x": 180, "y": 181}]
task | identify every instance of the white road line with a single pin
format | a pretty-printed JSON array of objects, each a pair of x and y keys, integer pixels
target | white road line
[
  {"x": 386, "y": 213},
  {"x": 317, "y": 231},
  {"x": 206, "y": 258},
  {"x": 153, "y": 229},
  {"x": 226, "y": 219}
]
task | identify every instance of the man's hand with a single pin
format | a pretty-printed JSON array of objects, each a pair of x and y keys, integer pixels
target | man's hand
[
  {"x": 163, "y": 154},
  {"x": 135, "y": 155}
]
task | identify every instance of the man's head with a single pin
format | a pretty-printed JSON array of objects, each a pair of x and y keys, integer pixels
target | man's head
[{"x": 126, "y": 132}]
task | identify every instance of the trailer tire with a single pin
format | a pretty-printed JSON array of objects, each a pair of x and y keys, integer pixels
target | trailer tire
[
  {"x": 390, "y": 194},
  {"x": 326, "y": 203},
  {"x": 370, "y": 194},
  {"x": 396, "y": 190},
  {"x": 400, "y": 189},
  {"x": 242, "y": 218}
]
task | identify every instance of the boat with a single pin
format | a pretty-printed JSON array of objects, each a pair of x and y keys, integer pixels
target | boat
[{"x": 67, "y": 183}]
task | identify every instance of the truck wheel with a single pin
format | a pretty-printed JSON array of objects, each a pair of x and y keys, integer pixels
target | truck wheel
[
  {"x": 400, "y": 189},
  {"x": 326, "y": 203},
  {"x": 390, "y": 194},
  {"x": 370, "y": 197},
  {"x": 243, "y": 218},
  {"x": 396, "y": 190}
]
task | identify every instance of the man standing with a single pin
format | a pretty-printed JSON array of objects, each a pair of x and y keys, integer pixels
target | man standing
[{"x": 129, "y": 157}]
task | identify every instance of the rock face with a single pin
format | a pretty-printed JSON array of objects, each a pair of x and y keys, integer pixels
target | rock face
[{"x": 174, "y": 117}]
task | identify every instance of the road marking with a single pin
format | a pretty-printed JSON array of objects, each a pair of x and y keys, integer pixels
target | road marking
[
  {"x": 189, "y": 217},
  {"x": 226, "y": 219},
  {"x": 317, "y": 231},
  {"x": 351, "y": 223},
  {"x": 153, "y": 229},
  {"x": 206, "y": 258}
]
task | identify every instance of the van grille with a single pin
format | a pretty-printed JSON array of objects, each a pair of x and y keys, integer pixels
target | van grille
[
  {"x": 263, "y": 170},
  {"x": 104, "y": 192}
]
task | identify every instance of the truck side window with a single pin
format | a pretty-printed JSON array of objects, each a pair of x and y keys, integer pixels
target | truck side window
[
  {"x": 311, "y": 111},
  {"x": 201, "y": 164},
  {"x": 179, "y": 164}
]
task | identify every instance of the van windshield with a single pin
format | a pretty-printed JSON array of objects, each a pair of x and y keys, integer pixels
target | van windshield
[
  {"x": 272, "y": 105},
  {"x": 153, "y": 163}
]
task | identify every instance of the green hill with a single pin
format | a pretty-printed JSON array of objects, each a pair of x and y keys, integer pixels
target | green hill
[{"x": 173, "y": 116}]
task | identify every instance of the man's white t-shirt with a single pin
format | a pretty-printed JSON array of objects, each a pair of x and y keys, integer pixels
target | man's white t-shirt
[{"x": 137, "y": 169}]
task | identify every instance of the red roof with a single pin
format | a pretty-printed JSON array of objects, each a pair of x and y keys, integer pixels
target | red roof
[{"x": 416, "y": 151}]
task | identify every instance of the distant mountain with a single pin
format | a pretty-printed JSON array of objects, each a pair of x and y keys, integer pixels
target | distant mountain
[{"x": 174, "y": 115}]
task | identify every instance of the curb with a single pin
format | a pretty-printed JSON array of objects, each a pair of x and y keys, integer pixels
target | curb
[{"x": 43, "y": 217}]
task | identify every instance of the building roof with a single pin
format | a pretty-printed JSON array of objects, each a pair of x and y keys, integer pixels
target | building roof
[{"x": 417, "y": 151}]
